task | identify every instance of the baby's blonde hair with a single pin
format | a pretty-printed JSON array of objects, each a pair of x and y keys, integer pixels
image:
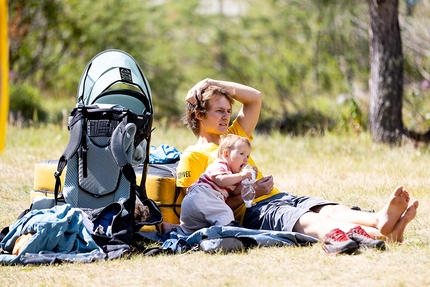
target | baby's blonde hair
[{"x": 227, "y": 143}]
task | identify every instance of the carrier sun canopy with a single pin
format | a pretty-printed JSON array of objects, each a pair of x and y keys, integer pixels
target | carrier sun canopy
[{"x": 114, "y": 77}]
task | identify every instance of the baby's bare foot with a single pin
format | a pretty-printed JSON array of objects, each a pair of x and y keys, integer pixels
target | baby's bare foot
[{"x": 166, "y": 227}]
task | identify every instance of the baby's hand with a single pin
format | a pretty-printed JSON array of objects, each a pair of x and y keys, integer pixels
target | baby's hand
[{"x": 246, "y": 175}]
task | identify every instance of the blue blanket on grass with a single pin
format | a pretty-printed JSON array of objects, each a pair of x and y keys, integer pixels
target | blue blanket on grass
[
  {"x": 177, "y": 241},
  {"x": 58, "y": 234}
]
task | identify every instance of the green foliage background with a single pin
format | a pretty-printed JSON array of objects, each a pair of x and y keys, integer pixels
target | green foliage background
[{"x": 310, "y": 58}]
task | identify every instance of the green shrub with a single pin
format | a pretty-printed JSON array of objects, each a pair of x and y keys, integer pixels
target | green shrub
[{"x": 26, "y": 103}]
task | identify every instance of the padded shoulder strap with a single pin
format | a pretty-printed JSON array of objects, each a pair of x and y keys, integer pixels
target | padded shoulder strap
[
  {"x": 122, "y": 138},
  {"x": 75, "y": 126},
  {"x": 74, "y": 141}
]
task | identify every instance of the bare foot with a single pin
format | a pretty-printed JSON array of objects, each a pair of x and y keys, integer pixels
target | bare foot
[
  {"x": 397, "y": 234},
  {"x": 166, "y": 227},
  {"x": 390, "y": 214}
]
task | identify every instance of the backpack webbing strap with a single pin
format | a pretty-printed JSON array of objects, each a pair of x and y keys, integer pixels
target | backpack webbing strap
[
  {"x": 143, "y": 132},
  {"x": 142, "y": 187},
  {"x": 143, "y": 125},
  {"x": 75, "y": 139}
]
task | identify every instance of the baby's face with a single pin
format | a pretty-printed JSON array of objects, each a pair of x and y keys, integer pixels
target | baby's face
[{"x": 238, "y": 156}]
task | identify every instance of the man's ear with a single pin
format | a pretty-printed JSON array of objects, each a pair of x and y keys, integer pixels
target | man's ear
[{"x": 199, "y": 116}]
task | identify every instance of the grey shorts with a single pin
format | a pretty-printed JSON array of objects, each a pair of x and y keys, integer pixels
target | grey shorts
[{"x": 281, "y": 211}]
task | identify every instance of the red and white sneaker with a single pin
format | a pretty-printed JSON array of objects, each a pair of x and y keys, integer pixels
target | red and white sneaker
[
  {"x": 337, "y": 242},
  {"x": 364, "y": 240}
]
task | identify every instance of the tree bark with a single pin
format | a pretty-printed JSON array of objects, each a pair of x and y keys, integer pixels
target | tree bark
[{"x": 386, "y": 74}]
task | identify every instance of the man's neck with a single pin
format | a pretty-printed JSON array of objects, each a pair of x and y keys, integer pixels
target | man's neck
[{"x": 209, "y": 138}]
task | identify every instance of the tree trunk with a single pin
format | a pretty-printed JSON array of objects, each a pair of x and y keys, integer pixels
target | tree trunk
[{"x": 386, "y": 73}]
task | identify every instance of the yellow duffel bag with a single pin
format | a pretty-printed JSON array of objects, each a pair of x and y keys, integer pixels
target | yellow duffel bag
[{"x": 161, "y": 188}]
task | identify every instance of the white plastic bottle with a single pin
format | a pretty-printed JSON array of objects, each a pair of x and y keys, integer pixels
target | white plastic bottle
[{"x": 248, "y": 191}]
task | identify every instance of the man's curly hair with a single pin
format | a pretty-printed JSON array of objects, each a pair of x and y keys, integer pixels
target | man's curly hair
[{"x": 202, "y": 106}]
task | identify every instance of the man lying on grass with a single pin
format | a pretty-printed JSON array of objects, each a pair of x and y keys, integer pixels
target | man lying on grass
[{"x": 209, "y": 108}]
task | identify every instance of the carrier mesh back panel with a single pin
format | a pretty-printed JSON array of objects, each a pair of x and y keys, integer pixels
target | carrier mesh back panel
[{"x": 100, "y": 179}]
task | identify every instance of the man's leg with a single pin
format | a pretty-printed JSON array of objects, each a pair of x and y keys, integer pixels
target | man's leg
[
  {"x": 384, "y": 220},
  {"x": 318, "y": 225}
]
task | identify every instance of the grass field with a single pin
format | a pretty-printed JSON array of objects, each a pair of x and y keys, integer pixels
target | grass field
[{"x": 351, "y": 170}]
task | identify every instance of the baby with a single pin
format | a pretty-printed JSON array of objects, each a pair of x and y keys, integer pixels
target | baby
[{"x": 204, "y": 205}]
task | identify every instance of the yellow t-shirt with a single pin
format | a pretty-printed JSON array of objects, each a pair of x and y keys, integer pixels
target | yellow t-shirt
[{"x": 195, "y": 159}]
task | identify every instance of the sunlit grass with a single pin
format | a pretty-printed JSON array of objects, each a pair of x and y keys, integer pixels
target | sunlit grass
[{"x": 351, "y": 170}]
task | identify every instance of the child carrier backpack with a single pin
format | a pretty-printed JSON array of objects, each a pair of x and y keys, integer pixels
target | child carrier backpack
[{"x": 110, "y": 128}]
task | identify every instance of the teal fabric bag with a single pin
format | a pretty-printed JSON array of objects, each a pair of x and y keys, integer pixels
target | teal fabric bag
[{"x": 163, "y": 154}]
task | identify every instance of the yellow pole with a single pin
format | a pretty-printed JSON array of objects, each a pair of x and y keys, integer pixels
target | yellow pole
[{"x": 4, "y": 73}]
